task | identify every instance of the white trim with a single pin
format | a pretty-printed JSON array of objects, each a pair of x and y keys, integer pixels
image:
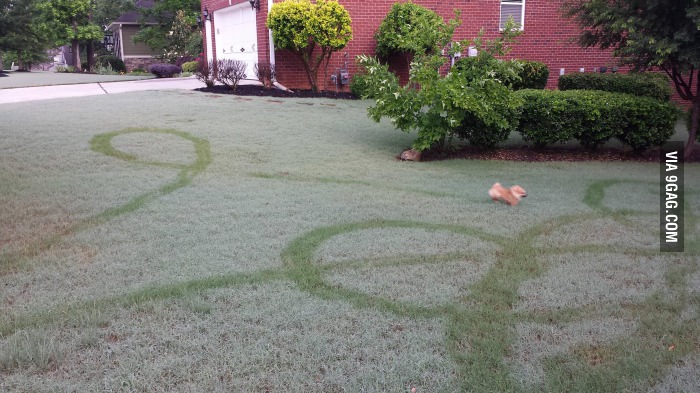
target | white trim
[
  {"x": 271, "y": 42},
  {"x": 209, "y": 39},
  {"x": 520, "y": 3},
  {"x": 121, "y": 43}
]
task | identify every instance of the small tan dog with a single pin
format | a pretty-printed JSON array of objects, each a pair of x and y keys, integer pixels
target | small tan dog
[{"x": 510, "y": 196}]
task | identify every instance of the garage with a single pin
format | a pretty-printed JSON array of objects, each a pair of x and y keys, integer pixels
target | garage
[{"x": 236, "y": 35}]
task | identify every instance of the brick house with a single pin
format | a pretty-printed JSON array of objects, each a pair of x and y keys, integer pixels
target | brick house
[{"x": 236, "y": 29}]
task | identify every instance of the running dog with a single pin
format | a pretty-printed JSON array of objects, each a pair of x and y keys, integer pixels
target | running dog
[{"x": 510, "y": 196}]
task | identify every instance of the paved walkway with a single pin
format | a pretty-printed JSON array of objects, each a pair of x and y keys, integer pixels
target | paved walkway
[{"x": 23, "y": 94}]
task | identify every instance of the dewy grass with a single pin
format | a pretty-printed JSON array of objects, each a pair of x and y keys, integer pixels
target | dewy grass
[
  {"x": 103, "y": 144},
  {"x": 214, "y": 243}
]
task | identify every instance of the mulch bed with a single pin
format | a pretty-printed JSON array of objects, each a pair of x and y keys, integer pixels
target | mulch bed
[
  {"x": 519, "y": 153},
  {"x": 260, "y": 91},
  {"x": 533, "y": 154}
]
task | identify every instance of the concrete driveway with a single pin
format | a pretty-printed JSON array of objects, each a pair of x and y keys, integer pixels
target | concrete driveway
[{"x": 23, "y": 94}]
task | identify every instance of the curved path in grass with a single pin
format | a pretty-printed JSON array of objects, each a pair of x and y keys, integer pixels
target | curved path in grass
[{"x": 487, "y": 327}]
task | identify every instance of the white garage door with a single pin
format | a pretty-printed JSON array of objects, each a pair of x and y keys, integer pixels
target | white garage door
[{"x": 236, "y": 35}]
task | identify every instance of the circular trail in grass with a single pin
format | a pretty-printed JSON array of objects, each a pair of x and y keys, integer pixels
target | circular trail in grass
[
  {"x": 611, "y": 299},
  {"x": 104, "y": 143},
  {"x": 505, "y": 300}
]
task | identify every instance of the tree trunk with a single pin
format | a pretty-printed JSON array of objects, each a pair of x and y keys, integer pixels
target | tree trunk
[
  {"x": 693, "y": 126},
  {"x": 75, "y": 44},
  {"x": 90, "y": 55},
  {"x": 20, "y": 63},
  {"x": 307, "y": 69}
]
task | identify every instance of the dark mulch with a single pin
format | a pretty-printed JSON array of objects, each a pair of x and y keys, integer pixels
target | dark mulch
[
  {"x": 260, "y": 91},
  {"x": 519, "y": 153},
  {"x": 533, "y": 154}
]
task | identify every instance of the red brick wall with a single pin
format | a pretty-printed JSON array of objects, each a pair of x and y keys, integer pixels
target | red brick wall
[{"x": 547, "y": 37}]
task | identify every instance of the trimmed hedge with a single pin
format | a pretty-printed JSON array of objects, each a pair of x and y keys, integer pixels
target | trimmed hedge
[
  {"x": 638, "y": 84},
  {"x": 164, "y": 70},
  {"x": 594, "y": 117}
]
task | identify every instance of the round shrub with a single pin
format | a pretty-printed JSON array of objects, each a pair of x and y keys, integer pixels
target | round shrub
[
  {"x": 113, "y": 62},
  {"x": 358, "y": 86},
  {"x": 647, "y": 122},
  {"x": 639, "y": 84},
  {"x": 164, "y": 70},
  {"x": 409, "y": 28},
  {"x": 190, "y": 66}
]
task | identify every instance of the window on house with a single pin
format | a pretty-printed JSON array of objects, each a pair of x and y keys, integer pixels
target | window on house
[{"x": 514, "y": 8}]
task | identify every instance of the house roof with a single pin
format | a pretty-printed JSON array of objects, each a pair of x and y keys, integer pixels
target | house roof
[{"x": 132, "y": 17}]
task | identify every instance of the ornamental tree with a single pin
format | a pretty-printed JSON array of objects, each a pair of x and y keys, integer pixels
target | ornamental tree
[
  {"x": 649, "y": 34},
  {"x": 72, "y": 22},
  {"x": 312, "y": 31}
]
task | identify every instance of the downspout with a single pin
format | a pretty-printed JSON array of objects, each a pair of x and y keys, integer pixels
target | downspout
[
  {"x": 272, "y": 49},
  {"x": 209, "y": 39},
  {"x": 269, "y": 31},
  {"x": 121, "y": 42}
]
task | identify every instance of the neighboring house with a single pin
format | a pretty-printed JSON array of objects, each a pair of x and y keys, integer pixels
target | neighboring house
[
  {"x": 134, "y": 54},
  {"x": 233, "y": 29}
]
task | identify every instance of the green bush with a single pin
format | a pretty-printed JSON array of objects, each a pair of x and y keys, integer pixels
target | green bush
[
  {"x": 533, "y": 75},
  {"x": 648, "y": 122},
  {"x": 548, "y": 117},
  {"x": 469, "y": 102},
  {"x": 358, "y": 86},
  {"x": 190, "y": 66},
  {"x": 638, "y": 84},
  {"x": 411, "y": 29},
  {"x": 529, "y": 75},
  {"x": 594, "y": 117},
  {"x": 115, "y": 63}
]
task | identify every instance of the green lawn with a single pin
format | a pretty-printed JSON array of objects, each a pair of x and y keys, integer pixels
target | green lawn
[{"x": 187, "y": 242}]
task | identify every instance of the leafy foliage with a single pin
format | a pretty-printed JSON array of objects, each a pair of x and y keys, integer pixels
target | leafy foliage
[
  {"x": 593, "y": 117},
  {"x": 178, "y": 17},
  {"x": 115, "y": 63},
  {"x": 71, "y": 22},
  {"x": 24, "y": 31},
  {"x": 190, "y": 66},
  {"x": 529, "y": 74},
  {"x": 411, "y": 29},
  {"x": 472, "y": 102},
  {"x": 639, "y": 84},
  {"x": 312, "y": 31},
  {"x": 230, "y": 72},
  {"x": 649, "y": 34},
  {"x": 359, "y": 87},
  {"x": 534, "y": 75},
  {"x": 184, "y": 40}
]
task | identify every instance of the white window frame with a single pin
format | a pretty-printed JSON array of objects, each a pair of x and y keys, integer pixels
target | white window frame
[{"x": 520, "y": 3}]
